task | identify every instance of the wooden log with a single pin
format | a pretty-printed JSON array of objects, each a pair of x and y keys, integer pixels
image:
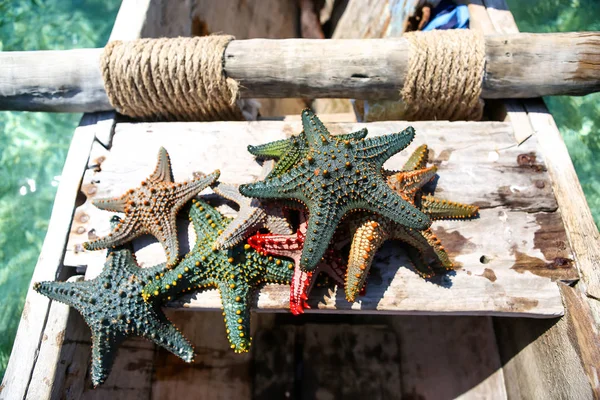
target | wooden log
[{"x": 519, "y": 65}]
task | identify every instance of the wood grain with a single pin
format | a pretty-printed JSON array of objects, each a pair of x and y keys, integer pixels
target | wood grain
[
  {"x": 559, "y": 355},
  {"x": 508, "y": 257},
  {"x": 517, "y": 65}
]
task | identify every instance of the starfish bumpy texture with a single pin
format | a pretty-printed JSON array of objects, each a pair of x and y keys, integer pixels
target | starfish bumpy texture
[
  {"x": 291, "y": 246},
  {"x": 371, "y": 230},
  {"x": 288, "y": 152},
  {"x": 336, "y": 177},
  {"x": 114, "y": 309},
  {"x": 152, "y": 208},
  {"x": 251, "y": 217},
  {"x": 236, "y": 273}
]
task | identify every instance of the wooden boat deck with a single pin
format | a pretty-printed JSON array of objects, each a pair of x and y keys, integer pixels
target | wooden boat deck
[{"x": 334, "y": 356}]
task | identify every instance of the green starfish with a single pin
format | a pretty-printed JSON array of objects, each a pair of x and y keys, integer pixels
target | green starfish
[
  {"x": 288, "y": 152},
  {"x": 235, "y": 272},
  {"x": 152, "y": 208},
  {"x": 114, "y": 309},
  {"x": 338, "y": 176}
]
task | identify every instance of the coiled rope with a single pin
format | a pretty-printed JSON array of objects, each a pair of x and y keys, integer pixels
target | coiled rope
[
  {"x": 170, "y": 79},
  {"x": 444, "y": 75}
]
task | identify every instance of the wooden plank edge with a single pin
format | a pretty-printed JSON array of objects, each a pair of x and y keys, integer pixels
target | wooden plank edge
[
  {"x": 21, "y": 364},
  {"x": 581, "y": 229},
  {"x": 504, "y": 22}
]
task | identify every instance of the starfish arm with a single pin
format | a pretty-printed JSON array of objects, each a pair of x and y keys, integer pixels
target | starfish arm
[
  {"x": 127, "y": 230},
  {"x": 284, "y": 187},
  {"x": 116, "y": 204},
  {"x": 207, "y": 221},
  {"x": 165, "y": 231},
  {"x": 380, "y": 148},
  {"x": 163, "y": 171},
  {"x": 104, "y": 349},
  {"x": 322, "y": 224},
  {"x": 418, "y": 159},
  {"x": 359, "y": 134},
  {"x": 236, "y": 310},
  {"x": 384, "y": 201},
  {"x": 231, "y": 192},
  {"x": 444, "y": 209},
  {"x": 186, "y": 190},
  {"x": 438, "y": 249},
  {"x": 419, "y": 252},
  {"x": 314, "y": 129},
  {"x": 157, "y": 328},
  {"x": 369, "y": 235},
  {"x": 406, "y": 184},
  {"x": 271, "y": 150},
  {"x": 299, "y": 287},
  {"x": 278, "y": 271},
  {"x": 245, "y": 224},
  {"x": 287, "y": 161},
  {"x": 73, "y": 294},
  {"x": 276, "y": 222}
]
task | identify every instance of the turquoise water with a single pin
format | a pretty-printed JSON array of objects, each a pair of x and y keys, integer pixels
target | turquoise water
[
  {"x": 578, "y": 118},
  {"x": 33, "y": 146}
]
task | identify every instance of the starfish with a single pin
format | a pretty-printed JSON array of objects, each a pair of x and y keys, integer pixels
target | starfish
[
  {"x": 291, "y": 246},
  {"x": 336, "y": 177},
  {"x": 288, "y": 152},
  {"x": 114, "y": 309},
  {"x": 371, "y": 230},
  {"x": 236, "y": 273},
  {"x": 251, "y": 217},
  {"x": 152, "y": 208}
]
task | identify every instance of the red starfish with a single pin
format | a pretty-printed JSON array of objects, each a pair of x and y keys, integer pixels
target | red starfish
[{"x": 291, "y": 246}]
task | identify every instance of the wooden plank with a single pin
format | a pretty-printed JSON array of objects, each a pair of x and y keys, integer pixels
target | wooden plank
[
  {"x": 542, "y": 359},
  {"x": 499, "y": 274},
  {"x": 275, "y": 361},
  {"x": 33, "y": 320},
  {"x": 518, "y": 65},
  {"x": 581, "y": 229},
  {"x": 350, "y": 361},
  {"x": 217, "y": 373},
  {"x": 559, "y": 356},
  {"x": 449, "y": 358}
]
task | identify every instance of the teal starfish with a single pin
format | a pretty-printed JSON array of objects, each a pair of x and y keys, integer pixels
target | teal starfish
[
  {"x": 338, "y": 176},
  {"x": 235, "y": 272},
  {"x": 114, "y": 309},
  {"x": 288, "y": 152}
]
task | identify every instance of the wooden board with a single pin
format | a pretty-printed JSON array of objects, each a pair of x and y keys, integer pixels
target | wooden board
[
  {"x": 557, "y": 358},
  {"x": 508, "y": 257},
  {"x": 358, "y": 356}
]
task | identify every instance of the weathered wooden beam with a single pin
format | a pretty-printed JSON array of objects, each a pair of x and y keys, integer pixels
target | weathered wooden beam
[{"x": 517, "y": 65}]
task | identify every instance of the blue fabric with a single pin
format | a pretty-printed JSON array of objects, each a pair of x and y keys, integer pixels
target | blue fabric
[{"x": 448, "y": 15}]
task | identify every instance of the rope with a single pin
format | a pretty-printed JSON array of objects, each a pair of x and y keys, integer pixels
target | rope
[
  {"x": 445, "y": 72},
  {"x": 170, "y": 79}
]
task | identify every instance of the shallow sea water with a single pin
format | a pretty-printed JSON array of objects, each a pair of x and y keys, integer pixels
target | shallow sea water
[{"x": 33, "y": 146}]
